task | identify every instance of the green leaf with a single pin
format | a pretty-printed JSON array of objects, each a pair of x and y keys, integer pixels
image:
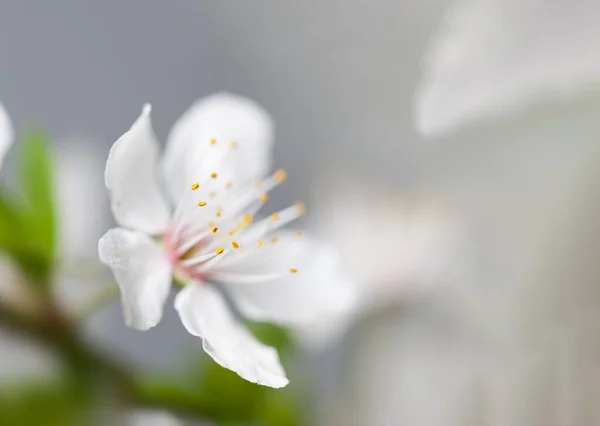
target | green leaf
[
  {"x": 49, "y": 404},
  {"x": 272, "y": 335},
  {"x": 36, "y": 182},
  {"x": 215, "y": 393},
  {"x": 11, "y": 225}
]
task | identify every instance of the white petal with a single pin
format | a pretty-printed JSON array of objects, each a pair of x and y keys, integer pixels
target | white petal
[
  {"x": 205, "y": 314},
  {"x": 224, "y": 117},
  {"x": 6, "y": 133},
  {"x": 494, "y": 56},
  {"x": 131, "y": 179},
  {"x": 316, "y": 294},
  {"x": 142, "y": 271}
]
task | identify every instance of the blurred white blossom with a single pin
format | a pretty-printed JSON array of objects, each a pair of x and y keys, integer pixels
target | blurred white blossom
[
  {"x": 215, "y": 157},
  {"x": 22, "y": 359},
  {"x": 6, "y": 133},
  {"x": 495, "y": 56},
  {"x": 81, "y": 219},
  {"x": 151, "y": 418},
  {"x": 394, "y": 245}
]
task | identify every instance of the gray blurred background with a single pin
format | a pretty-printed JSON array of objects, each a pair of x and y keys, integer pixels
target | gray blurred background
[{"x": 339, "y": 78}]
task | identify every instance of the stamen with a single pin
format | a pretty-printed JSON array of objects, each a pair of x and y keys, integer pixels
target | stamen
[
  {"x": 199, "y": 259},
  {"x": 228, "y": 184},
  {"x": 218, "y": 213},
  {"x": 201, "y": 203},
  {"x": 213, "y": 175},
  {"x": 247, "y": 219},
  {"x": 212, "y": 194},
  {"x": 231, "y": 232},
  {"x": 280, "y": 175},
  {"x": 260, "y": 243},
  {"x": 219, "y": 250},
  {"x": 235, "y": 245},
  {"x": 195, "y": 186},
  {"x": 274, "y": 216},
  {"x": 293, "y": 270},
  {"x": 214, "y": 229},
  {"x": 256, "y": 183},
  {"x": 211, "y": 223},
  {"x": 264, "y": 197},
  {"x": 298, "y": 235},
  {"x": 233, "y": 144},
  {"x": 274, "y": 240},
  {"x": 236, "y": 278},
  {"x": 213, "y": 141},
  {"x": 210, "y": 264},
  {"x": 300, "y": 207}
]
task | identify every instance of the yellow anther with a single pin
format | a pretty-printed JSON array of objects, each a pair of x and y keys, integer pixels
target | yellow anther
[
  {"x": 300, "y": 207},
  {"x": 293, "y": 270},
  {"x": 214, "y": 229},
  {"x": 233, "y": 144},
  {"x": 298, "y": 235},
  {"x": 264, "y": 197},
  {"x": 201, "y": 203},
  {"x": 212, "y": 194},
  {"x": 235, "y": 245},
  {"x": 275, "y": 216},
  {"x": 219, "y": 250},
  {"x": 274, "y": 240},
  {"x": 213, "y": 175},
  {"x": 247, "y": 218},
  {"x": 260, "y": 243},
  {"x": 256, "y": 183},
  {"x": 228, "y": 184},
  {"x": 230, "y": 232},
  {"x": 213, "y": 141},
  {"x": 195, "y": 186},
  {"x": 218, "y": 213},
  {"x": 211, "y": 223},
  {"x": 280, "y": 175}
]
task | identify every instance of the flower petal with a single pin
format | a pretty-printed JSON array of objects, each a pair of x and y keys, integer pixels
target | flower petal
[
  {"x": 497, "y": 56},
  {"x": 131, "y": 179},
  {"x": 226, "y": 119},
  {"x": 142, "y": 271},
  {"x": 264, "y": 288},
  {"x": 6, "y": 133},
  {"x": 204, "y": 313}
]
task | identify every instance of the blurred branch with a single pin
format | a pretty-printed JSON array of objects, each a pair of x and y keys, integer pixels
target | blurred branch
[{"x": 56, "y": 332}]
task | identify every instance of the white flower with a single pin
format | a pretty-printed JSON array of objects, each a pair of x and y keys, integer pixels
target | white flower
[
  {"x": 396, "y": 247},
  {"x": 150, "y": 418},
  {"x": 6, "y": 133},
  {"x": 420, "y": 242},
  {"x": 214, "y": 156},
  {"x": 494, "y": 56},
  {"x": 11, "y": 283}
]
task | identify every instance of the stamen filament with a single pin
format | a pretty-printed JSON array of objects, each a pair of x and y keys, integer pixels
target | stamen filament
[{"x": 199, "y": 259}]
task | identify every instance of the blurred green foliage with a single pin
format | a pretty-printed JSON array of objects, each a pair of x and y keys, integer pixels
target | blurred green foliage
[
  {"x": 27, "y": 218},
  {"x": 226, "y": 398},
  {"x": 50, "y": 403}
]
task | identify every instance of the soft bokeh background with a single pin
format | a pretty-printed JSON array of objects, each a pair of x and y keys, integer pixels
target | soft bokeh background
[{"x": 497, "y": 220}]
